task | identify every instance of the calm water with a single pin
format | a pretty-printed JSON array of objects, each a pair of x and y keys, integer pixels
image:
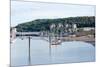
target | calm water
[{"x": 67, "y": 52}]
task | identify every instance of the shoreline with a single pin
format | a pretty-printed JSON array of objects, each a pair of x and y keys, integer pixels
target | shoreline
[{"x": 87, "y": 39}]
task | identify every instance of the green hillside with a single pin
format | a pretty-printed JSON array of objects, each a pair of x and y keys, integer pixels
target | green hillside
[{"x": 44, "y": 24}]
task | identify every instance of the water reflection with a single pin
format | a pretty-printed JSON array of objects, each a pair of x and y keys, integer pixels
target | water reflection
[{"x": 41, "y": 52}]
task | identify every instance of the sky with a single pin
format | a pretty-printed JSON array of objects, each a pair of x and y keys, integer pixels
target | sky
[{"x": 22, "y": 12}]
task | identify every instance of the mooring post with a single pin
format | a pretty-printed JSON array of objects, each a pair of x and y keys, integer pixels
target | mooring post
[
  {"x": 29, "y": 38},
  {"x": 49, "y": 44}
]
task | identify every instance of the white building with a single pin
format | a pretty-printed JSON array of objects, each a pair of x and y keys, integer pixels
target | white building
[
  {"x": 88, "y": 28},
  {"x": 74, "y": 27}
]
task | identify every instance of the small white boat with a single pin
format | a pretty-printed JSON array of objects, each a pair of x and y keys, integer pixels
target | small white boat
[{"x": 56, "y": 42}]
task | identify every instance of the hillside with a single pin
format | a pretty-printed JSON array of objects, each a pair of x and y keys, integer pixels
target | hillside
[{"x": 44, "y": 24}]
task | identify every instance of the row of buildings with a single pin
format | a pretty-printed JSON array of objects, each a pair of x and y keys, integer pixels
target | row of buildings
[{"x": 68, "y": 28}]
